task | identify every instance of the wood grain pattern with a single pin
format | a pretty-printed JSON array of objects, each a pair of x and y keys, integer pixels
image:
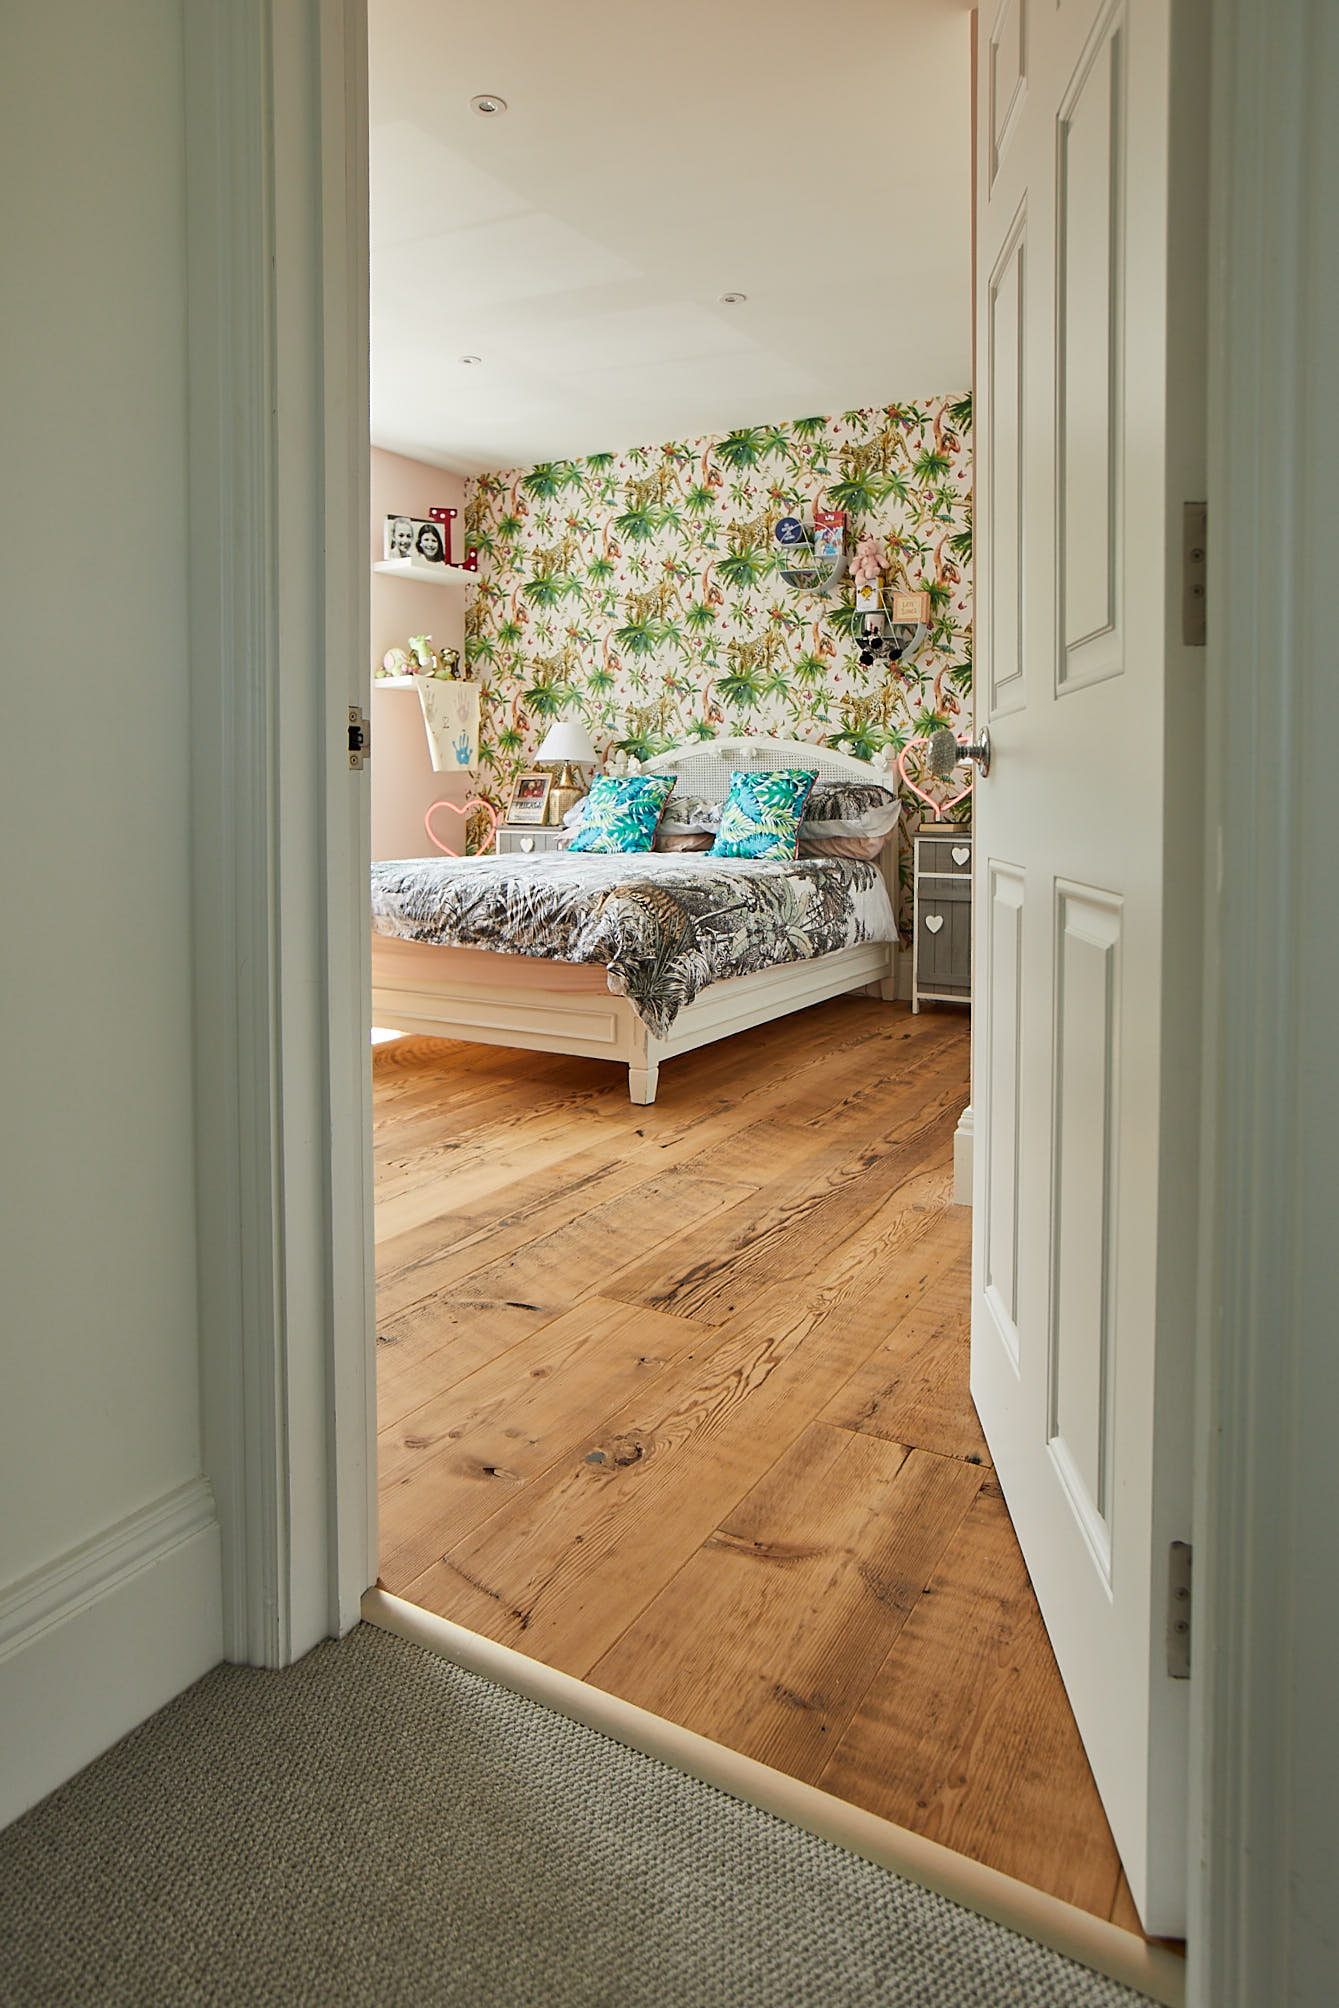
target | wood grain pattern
[
  {"x": 775, "y": 1627},
  {"x": 452, "y": 1460},
  {"x": 676, "y": 1398},
  {"x": 964, "y": 1734},
  {"x": 789, "y": 1227},
  {"x": 561, "y": 1568},
  {"x": 914, "y": 1388}
]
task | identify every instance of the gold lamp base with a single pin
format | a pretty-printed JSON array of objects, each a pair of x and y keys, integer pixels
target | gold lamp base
[{"x": 566, "y": 790}]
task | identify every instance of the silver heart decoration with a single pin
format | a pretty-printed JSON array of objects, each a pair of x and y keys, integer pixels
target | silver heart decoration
[
  {"x": 961, "y": 853},
  {"x": 934, "y": 921}
]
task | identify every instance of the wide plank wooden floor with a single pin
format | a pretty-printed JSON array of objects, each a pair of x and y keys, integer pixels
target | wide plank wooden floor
[{"x": 675, "y": 1399}]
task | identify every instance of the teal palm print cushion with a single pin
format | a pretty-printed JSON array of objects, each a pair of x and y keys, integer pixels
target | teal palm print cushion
[
  {"x": 761, "y": 817},
  {"x": 622, "y": 813}
]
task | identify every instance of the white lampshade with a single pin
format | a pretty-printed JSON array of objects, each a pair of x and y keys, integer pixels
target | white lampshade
[{"x": 568, "y": 741}]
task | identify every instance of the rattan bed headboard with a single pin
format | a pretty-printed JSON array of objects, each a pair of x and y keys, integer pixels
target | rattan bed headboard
[{"x": 703, "y": 766}]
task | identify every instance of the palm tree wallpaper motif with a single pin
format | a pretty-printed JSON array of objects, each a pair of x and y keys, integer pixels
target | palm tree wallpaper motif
[{"x": 642, "y": 591}]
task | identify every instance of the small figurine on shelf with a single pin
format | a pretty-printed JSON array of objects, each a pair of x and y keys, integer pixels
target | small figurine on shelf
[{"x": 422, "y": 659}]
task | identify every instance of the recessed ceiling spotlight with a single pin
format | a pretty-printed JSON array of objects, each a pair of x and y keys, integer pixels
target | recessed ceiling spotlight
[
  {"x": 471, "y": 360},
  {"x": 488, "y": 105},
  {"x": 733, "y": 299}
]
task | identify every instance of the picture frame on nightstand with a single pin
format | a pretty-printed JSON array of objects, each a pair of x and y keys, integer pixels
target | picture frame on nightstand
[{"x": 529, "y": 797}]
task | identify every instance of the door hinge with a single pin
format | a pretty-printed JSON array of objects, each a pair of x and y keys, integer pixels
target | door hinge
[
  {"x": 1178, "y": 1611},
  {"x": 360, "y": 738},
  {"x": 1194, "y": 574}
]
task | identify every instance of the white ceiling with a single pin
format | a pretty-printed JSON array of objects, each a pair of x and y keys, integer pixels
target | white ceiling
[{"x": 654, "y": 156}]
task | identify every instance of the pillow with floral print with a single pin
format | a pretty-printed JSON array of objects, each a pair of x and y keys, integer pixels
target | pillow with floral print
[
  {"x": 622, "y": 812},
  {"x": 846, "y": 801},
  {"x": 761, "y": 817}
]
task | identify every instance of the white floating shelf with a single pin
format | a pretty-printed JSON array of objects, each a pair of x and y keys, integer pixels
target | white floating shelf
[
  {"x": 412, "y": 682},
  {"x": 431, "y": 575}
]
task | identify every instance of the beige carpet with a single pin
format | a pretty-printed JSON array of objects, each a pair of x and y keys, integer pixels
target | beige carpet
[{"x": 376, "y": 1826}]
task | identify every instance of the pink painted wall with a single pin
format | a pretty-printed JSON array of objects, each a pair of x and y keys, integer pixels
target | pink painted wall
[{"x": 403, "y": 783}]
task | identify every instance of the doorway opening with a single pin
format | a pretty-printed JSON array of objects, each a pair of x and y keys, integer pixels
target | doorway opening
[{"x": 674, "y": 1308}]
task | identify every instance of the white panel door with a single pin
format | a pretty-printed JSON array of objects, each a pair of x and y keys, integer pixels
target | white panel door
[{"x": 1090, "y": 396}]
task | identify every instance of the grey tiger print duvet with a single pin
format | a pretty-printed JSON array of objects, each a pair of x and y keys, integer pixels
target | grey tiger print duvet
[{"x": 665, "y": 925}]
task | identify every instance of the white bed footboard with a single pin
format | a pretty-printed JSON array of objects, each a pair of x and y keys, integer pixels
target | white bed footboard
[
  {"x": 594, "y": 1025},
  {"x": 408, "y": 992}
]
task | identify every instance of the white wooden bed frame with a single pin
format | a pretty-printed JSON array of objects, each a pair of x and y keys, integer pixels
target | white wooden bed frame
[{"x": 596, "y": 1025}]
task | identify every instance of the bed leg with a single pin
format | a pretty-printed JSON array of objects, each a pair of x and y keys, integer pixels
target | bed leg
[{"x": 642, "y": 1082}]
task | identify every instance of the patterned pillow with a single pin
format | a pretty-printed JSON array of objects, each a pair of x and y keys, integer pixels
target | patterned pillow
[
  {"x": 846, "y": 801},
  {"x": 622, "y": 812},
  {"x": 692, "y": 812},
  {"x": 761, "y": 817}
]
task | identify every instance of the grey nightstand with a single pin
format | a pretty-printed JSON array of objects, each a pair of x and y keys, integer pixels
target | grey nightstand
[
  {"x": 528, "y": 839},
  {"x": 941, "y": 943}
]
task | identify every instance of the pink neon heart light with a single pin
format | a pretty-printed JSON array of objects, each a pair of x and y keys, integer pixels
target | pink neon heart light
[
  {"x": 475, "y": 802},
  {"x": 941, "y": 809}
]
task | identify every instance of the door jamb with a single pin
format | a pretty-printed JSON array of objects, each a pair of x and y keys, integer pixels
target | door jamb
[
  {"x": 1265, "y": 1628},
  {"x": 276, "y": 123}
]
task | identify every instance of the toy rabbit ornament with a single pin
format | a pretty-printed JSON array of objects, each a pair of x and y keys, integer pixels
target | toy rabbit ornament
[{"x": 868, "y": 562}]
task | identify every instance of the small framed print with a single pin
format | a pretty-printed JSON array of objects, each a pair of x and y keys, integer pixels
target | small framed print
[
  {"x": 415, "y": 540},
  {"x": 914, "y": 607},
  {"x": 529, "y": 798}
]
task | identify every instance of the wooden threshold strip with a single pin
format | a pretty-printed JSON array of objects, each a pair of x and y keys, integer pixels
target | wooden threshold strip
[{"x": 1090, "y": 1941}]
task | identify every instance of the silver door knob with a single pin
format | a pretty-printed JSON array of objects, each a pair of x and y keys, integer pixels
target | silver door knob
[{"x": 947, "y": 751}]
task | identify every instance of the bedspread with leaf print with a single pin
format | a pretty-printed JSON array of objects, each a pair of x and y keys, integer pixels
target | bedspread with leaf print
[{"x": 664, "y": 925}]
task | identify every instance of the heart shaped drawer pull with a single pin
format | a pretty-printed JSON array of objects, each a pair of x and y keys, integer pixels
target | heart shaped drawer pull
[
  {"x": 961, "y": 853},
  {"x": 527, "y": 843},
  {"x": 934, "y": 921}
]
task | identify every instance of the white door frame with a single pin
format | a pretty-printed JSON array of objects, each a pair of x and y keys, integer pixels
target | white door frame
[
  {"x": 1266, "y": 1622},
  {"x": 276, "y": 141},
  {"x": 276, "y": 136}
]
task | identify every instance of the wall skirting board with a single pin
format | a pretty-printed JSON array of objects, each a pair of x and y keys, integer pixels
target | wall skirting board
[
  {"x": 102, "y": 1636},
  {"x": 962, "y": 1158}
]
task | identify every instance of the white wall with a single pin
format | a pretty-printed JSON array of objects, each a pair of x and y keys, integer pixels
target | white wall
[
  {"x": 99, "y": 1421},
  {"x": 403, "y": 783}
]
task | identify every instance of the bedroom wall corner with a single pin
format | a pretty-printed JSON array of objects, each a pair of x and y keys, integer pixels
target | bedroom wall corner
[{"x": 403, "y": 782}]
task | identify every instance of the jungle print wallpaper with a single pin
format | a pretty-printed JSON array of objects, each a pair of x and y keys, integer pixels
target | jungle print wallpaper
[{"x": 642, "y": 590}]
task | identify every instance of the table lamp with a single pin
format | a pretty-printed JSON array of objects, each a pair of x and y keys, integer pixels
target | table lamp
[{"x": 567, "y": 746}]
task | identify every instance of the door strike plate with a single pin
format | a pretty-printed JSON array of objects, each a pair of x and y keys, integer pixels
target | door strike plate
[
  {"x": 1178, "y": 1611},
  {"x": 1194, "y": 573}
]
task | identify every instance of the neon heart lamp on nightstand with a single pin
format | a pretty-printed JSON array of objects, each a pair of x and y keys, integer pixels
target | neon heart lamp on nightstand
[
  {"x": 946, "y": 752},
  {"x": 462, "y": 810}
]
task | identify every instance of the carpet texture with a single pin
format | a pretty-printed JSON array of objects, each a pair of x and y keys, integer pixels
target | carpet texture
[{"x": 376, "y": 1826}]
